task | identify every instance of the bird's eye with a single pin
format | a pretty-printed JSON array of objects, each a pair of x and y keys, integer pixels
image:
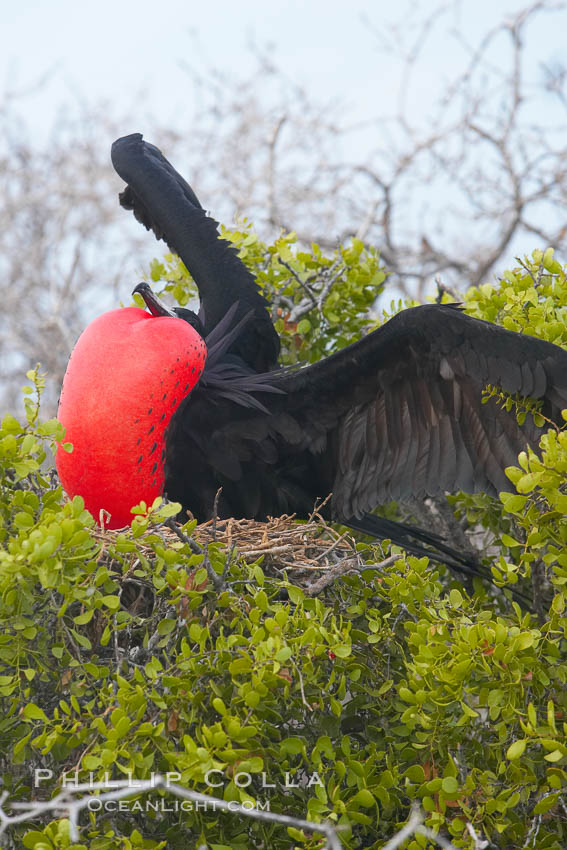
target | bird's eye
[{"x": 191, "y": 318}]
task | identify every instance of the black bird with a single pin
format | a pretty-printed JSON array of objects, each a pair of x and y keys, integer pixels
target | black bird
[{"x": 397, "y": 414}]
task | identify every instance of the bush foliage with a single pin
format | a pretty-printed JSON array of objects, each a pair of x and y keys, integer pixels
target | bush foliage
[{"x": 393, "y": 686}]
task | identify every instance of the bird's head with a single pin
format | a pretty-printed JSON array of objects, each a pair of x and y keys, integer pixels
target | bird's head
[{"x": 157, "y": 308}]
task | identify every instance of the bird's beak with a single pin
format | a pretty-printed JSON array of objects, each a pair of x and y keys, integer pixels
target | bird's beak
[{"x": 152, "y": 302}]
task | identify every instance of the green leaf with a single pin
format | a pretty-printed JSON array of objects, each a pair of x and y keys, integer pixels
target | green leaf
[
  {"x": 166, "y": 626},
  {"x": 364, "y": 798},
  {"x": 295, "y": 594},
  {"x": 112, "y": 602},
  {"x": 252, "y": 698},
  {"x": 219, "y": 706},
  {"x": 450, "y": 785},
  {"x": 516, "y": 750},
  {"x": 10, "y": 424},
  {"x": 546, "y": 804},
  {"x": 293, "y": 746},
  {"x": 37, "y": 840},
  {"x": 415, "y": 773},
  {"x": 509, "y": 541},
  {"x": 34, "y": 712},
  {"x": 284, "y": 654},
  {"x": 84, "y": 618},
  {"x": 455, "y": 598}
]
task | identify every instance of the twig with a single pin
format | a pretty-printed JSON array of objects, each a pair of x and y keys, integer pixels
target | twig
[
  {"x": 528, "y": 270},
  {"x": 333, "y": 545},
  {"x": 442, "y": 288},
  {"x": 479, "y": 843},
  {"x": 302, "y": 283},
  {"x": 266, "y": 550},
  {"x": 415, "y": 825},
  {"x": 195, "y": 548},
  {"x": 347, "y": 565},
  {"x": 128, "y": 788},
  {"x": 217, "y": 580},
  {"x": 316, "y": 513},
  {"x": 327, "y": 287},
  {"x": 414, "y": 821},
  {"x": 434, "y": 836},
  {"x": 531, "y": 837},
  {"x": 215, "y": 512},
  {"x": 300, "y": 677}
]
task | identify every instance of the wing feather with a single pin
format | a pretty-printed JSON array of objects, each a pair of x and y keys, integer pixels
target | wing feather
[{"x": 407, "y": 413}]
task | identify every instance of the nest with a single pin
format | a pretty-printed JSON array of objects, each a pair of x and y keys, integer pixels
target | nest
[
  {"x": 284, "y": 543},
  {"x": 313, "y": 553}
]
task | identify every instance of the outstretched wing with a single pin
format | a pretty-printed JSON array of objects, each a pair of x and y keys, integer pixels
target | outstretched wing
[
  {"x": 165, "y": 203},
  {"x": 400, "y": 413}
]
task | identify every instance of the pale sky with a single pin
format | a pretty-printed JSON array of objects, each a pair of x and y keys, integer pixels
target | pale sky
[
  {"x": 113, "y": 49},
  {"x": 138, "y": 57}
]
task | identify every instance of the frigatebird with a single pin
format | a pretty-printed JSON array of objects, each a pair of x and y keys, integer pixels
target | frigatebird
[{"x": 397, "y": 414}]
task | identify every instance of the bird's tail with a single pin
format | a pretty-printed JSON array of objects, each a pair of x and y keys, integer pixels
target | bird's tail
[{"x": 412, "y": 539}]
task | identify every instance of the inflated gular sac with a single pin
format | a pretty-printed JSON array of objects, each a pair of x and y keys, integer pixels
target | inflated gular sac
[{"x": 126, "y": 376}]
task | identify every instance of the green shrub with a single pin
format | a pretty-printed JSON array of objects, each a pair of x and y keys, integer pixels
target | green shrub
[{"x": 119, "y": 655}]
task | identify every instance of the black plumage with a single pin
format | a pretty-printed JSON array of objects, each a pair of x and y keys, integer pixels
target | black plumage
[
  {"x": 165, "y": 203},
  {"x": 397, "y": 414}
]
